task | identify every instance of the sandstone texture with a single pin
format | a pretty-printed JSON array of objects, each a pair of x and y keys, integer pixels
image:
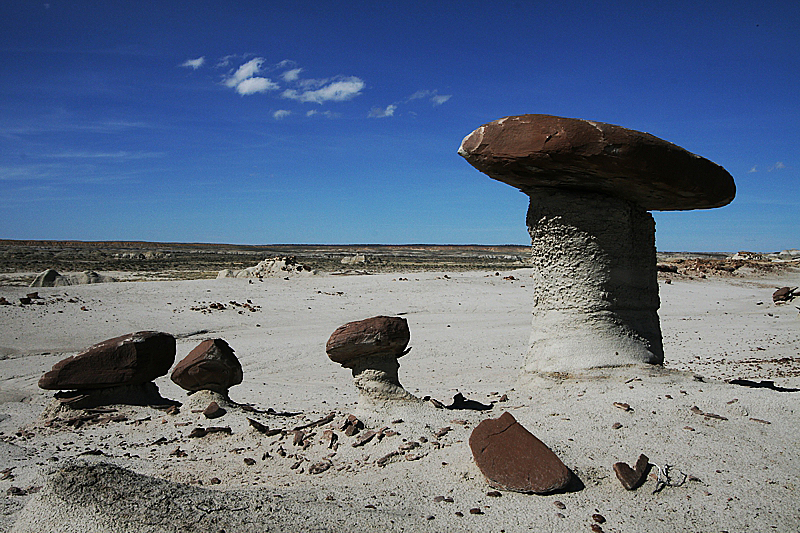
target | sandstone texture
[
  {"x": 212, "y": 365},
  {"x": 131, "y": 359},
  {"x": 546, "y": 151},
  {"x": 512, "y": 458}
]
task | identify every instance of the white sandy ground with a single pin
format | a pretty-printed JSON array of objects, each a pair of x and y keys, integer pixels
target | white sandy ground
[{"x": 468, "y": 334}]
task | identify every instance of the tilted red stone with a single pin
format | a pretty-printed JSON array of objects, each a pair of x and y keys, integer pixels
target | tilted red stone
[
  {"x": 511, "y": 458},
  {"x": 212, "y": 365},
  {"x": 131, "y": 359}
]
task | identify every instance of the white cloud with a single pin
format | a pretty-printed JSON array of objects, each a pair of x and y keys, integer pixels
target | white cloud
[
  {"x": 377, "y": 112},
  {"x": 439, "y": 99},
  {"x": 326, "y": 114},
  {"x": 291, "y": 75},
  {"x": 248, "y": 70},
  {"x": 225, "y": 61},
  {"x": 337, "y": 91},
  {"x": 281, "y": 113},
  {"x": 752, "y": 170},
  {"x": 194, "y": 63},
  {"x": 256, "y": 85}
]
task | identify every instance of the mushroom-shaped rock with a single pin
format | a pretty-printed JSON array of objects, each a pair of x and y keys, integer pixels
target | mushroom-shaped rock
[
  {"x": 591, "y": 186},
  {"x": 132, "y": 359},
  {"x": 512, "y": 458},
  {"x": 370, "y": 348},
  {"x": 212, "y": 365}
]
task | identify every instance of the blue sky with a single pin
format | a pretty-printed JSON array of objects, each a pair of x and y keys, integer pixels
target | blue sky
[{"x": 338, "y": 122}]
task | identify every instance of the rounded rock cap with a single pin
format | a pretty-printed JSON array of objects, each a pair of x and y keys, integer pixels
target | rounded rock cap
[
  {"x": 528, "y": 151},
  {"x": 379, "y": 335}
]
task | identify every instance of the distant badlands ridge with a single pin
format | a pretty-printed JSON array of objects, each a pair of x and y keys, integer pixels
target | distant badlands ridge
[{"x": 22, "y": 260}]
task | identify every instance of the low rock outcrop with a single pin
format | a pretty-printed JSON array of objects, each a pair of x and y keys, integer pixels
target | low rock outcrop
[
  {"x": 51, "y": 278},
  {"x": 269, "y": 268}
]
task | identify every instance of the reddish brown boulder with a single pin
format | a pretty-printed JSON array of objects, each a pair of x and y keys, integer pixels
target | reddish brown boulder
[
  {"x": 546, "y": 151},
  {"x": 378, "y": 335},
  {"x": 212, "y": 365},
  {"x": 784, "y": 294},
  {"x": 512, "y": 458},
  {"x": 132, "y": 359}
]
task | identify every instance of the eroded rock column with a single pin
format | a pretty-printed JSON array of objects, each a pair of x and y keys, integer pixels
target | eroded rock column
[{"x": 596, "y": 297}]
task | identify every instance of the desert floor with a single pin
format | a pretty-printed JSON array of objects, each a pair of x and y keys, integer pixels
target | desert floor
[{"x": 738, "y": 470}]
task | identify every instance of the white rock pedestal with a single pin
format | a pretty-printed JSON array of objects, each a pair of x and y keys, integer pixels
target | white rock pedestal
[{"x": 596, "y": 297}]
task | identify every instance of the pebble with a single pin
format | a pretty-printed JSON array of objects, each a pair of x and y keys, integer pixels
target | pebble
[
  {"x": 600, "y": 519},
  {"x": 559, "y": 504},
  {"x": 475, "y": 510},
  {"x": 494, "y": 494}
]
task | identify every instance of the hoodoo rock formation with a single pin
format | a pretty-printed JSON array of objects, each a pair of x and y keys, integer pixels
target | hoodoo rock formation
[
  {"x": 593, "y": 240},
  {"x": 370, "y": 348}
]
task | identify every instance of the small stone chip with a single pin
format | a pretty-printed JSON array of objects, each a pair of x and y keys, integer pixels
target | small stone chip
[
  {"x": 559, "y": 504},
  {"x": 475, "y": 510},
  {"x": 600, "y": 519},
  {"x": 494, "y": 494}
]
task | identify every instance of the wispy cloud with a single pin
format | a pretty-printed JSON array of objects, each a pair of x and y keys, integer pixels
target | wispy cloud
[
  {"x": 379, "y": 112},
  {"x": 245, "y": 81},
  {"x": 194, "y": 63},
  {"x": 777, "y": 166},
  {"x": 291, "y": 75},
  {"x": 119, "y": 155},
  {"x": 752, "y": 170},
  {"x": 433, "y": 96},
  {"x": 244, "y": 71},
  {"x": 425, "y": 94},
  {"x": 326, "y": 114},
  {"x": 337, "y": 91},
  {"x": 256, "y": 85},
  {"x": 281, "y": 113}
]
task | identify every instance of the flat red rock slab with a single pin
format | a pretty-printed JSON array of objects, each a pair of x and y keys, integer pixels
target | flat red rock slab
[
  {"x": 512, "y": 458},
  {"x": 212, "y": 365},
  {"x": 528, "y": 151},
  {"x": 379, "y": 335},
  {"x": 131, "y": 359}
]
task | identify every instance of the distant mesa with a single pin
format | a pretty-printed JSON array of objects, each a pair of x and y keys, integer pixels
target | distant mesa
[
  {"x": 51, "y": 278},
  {"x": 270, "y": 268}
]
